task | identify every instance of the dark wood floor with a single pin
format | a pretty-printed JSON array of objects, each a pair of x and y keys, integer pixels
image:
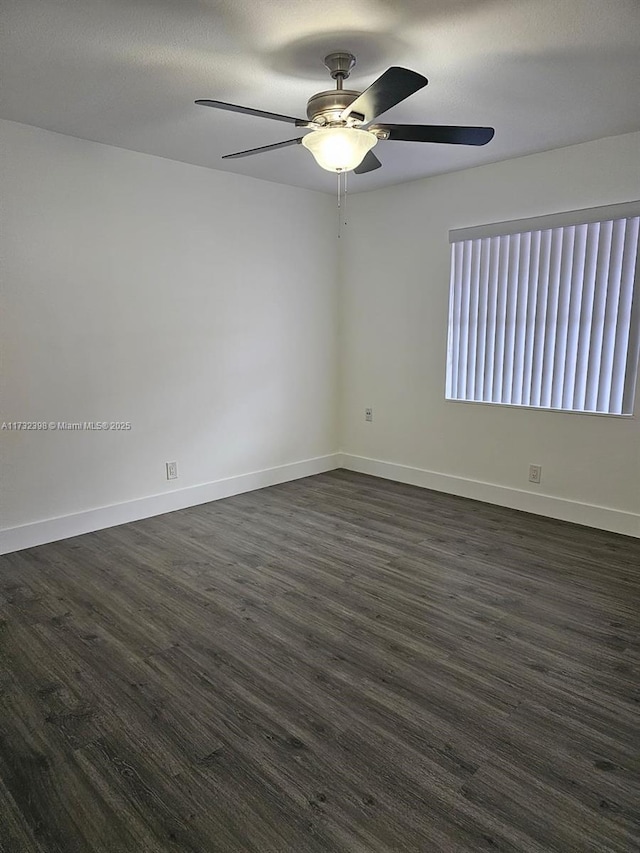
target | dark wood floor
[{"x": 335, "y": 664}]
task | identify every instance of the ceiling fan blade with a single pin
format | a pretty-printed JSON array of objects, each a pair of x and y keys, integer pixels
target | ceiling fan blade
[
  {"x": 437, "y": 133},
  {"x": 234, "y": 108},
  {"x": 389, "y": 89},
  {"x": 369, "y": 163},
  {"x": 250, "y": 151}
]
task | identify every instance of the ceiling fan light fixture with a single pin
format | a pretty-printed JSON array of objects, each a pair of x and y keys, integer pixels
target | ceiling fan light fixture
[{"x": 339, "y": 149}]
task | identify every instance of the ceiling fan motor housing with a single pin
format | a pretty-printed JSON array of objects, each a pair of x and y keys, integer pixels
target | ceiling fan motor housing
[{"x": 326, "y": 107}]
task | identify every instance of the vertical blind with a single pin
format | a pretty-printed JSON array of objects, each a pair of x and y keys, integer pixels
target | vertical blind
[{"x": 544, "y": 313}]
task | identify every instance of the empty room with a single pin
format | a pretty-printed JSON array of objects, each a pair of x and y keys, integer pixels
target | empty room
[{"x": 319, "y": 436}]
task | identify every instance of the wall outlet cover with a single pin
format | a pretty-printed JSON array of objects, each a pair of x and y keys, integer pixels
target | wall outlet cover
[{"x": 535, "y": 473}]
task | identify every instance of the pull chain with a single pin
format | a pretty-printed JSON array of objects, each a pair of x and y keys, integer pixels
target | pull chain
[{"x": 342, "y": 201}]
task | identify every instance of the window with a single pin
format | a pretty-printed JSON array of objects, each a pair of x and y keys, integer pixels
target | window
[{"x": 542, "y": 311}]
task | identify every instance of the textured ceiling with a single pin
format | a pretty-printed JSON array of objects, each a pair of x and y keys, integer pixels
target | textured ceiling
[{"x": 544, "y": 73}]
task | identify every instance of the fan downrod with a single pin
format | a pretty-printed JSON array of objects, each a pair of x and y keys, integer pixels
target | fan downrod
[{"x": 339, "y": 65}]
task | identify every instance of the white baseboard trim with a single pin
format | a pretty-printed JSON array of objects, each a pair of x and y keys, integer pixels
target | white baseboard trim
[
  {"x": 63, "y": 527},
  {"x": 53, "y": 529},
  {"x": 604, "y": 518}
]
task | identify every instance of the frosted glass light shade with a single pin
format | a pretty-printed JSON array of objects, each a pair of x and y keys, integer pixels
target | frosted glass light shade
[{"x": 339, "y": 149}]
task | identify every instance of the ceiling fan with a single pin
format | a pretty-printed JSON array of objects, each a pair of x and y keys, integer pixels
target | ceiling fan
[{"x": 342, "y": 125}]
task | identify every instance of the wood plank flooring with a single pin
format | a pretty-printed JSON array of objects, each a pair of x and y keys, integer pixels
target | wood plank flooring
[{"x": 335, "y": 665}]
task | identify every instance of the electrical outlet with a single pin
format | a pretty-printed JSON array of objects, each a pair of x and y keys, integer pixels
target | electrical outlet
[
  {"x": 535, "y": 473},
  {"x": 172, "y": 470},
  {"x": 368, "y": 415}
]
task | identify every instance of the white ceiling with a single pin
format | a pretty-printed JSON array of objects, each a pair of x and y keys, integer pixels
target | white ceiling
[{"x": 544, "y": 73}]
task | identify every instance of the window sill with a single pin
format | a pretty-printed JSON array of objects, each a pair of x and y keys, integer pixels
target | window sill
[{"x": 540, "y": 409}]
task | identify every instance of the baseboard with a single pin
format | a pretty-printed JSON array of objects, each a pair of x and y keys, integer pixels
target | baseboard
[
  {"x": 63, "y": 527},
  {"x": 53, "y": 529},
  {"x": 590, "y": 515}
]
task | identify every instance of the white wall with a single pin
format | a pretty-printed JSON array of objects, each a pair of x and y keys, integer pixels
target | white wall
[
  {"x": 187, "y": 301},
  {"x": 193, "y": 303},
  {"x": 393, "y": 332}
]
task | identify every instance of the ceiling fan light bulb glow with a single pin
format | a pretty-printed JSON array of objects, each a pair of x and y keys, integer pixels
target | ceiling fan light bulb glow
[{"x": 339, "y": 149}]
